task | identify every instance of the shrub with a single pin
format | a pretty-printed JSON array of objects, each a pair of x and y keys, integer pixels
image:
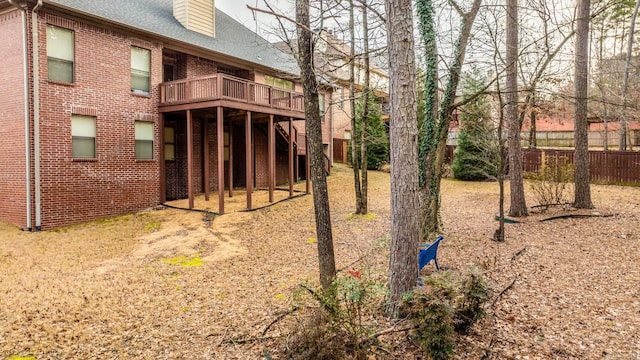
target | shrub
[
  {"x": 449, "y": 303},
  {"x": 552, "y": 184},
  {"x": 336, "y": 329}
]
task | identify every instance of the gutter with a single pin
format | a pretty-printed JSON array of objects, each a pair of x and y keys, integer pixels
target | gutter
[
  {"x": 36, "y": 111},
  {"x": 27, "y": 138}
]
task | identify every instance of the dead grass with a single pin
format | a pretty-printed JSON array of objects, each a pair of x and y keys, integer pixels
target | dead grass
[{"x": 117, "y": 288}]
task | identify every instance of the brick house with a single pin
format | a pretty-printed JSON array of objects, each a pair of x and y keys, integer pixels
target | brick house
[{"x": 110, "y": 107}]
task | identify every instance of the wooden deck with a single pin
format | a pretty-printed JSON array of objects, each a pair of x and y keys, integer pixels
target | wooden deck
[{"x": 241, "y": 92}]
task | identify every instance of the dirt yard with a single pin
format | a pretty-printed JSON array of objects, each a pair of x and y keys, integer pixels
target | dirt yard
[{"x": 173, "y": 284}]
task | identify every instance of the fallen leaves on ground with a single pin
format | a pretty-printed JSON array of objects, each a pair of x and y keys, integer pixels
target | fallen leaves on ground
[{"x": 563, "y": 289}]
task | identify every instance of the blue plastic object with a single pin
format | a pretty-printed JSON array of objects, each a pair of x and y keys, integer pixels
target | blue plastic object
[{"x": 429, "y": 252}]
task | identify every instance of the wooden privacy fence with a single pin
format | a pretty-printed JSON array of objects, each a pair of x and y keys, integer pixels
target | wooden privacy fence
[{"x": 611, "y": 167}]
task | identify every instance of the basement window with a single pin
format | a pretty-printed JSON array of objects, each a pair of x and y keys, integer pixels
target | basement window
[
  {"x": 83, "y": 137},
  {"x": 144, "y": 140},
  {"x": 60, "y": 54},
  {"x": 140, "y": 70}
]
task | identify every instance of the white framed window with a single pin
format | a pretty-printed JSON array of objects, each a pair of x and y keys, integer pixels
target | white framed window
[
  {"x": 83, "y": 137},
  {"x": 169, "y": 144},
  {"x": 144, "y": 140},
  {"x": 60, "y": 54},
  {"x": 278, "y": 82},
  {"x": 140, "y": 70}
]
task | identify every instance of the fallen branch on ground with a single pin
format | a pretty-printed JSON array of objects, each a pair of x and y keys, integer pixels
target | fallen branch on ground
[
  {"x": 504, "y": 291},
  {"x": 518, "y": 253},
  {"x": 280, "y": 317},
  {"x": 575, "y": 216}
]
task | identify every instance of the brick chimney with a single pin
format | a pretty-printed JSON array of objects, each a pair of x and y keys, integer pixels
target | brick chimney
[{"x": 196, "y": 15}]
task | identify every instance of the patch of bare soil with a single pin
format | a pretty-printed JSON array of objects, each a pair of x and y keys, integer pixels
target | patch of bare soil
[{"x": 181, "y": 285}]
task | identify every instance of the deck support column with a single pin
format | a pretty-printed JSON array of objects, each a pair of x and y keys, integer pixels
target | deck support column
[
  {"x": 230, "y": 160},
  {"x": 190, "y": 157},
  {"x": 271, "y": 142},
  {"x": 290, "y": 157},
  {"x": 220, "y": 120},
  {"x": 163, "y": 170},
  {"x": 249, "y": 159},
  {"x": 206, "y": 157}
]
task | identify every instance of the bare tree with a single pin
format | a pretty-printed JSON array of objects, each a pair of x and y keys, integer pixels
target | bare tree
[
  {"x": 352, "y": 102},
  {"x": 314, "y": 141},
  {"x": 428, "y": 127},
  {"x": 627, "y": 66},
  {"x": 365, "y": 109},
  {"x": 518, "y": 203},
  {"x": 434, "y": 137},
  {"x": 581, "y": 154},
  {"x": 403, "y": 264}
]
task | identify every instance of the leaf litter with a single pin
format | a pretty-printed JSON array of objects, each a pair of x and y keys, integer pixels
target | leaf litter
[{"x": 563, "y": 289}]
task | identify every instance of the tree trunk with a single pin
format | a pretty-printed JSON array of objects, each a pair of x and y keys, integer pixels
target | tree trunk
[
  {"x": 355, "y": 163},
  {"x": 533, "y": 138},
  {"x": 518, "y": 203},
  {"x": 499, "y": 236},
  {"x": 428, "y": 128},
  {"x": 403, "y": 264},
  {"x": 627, "y": 67},
  {"x": 581, "y": 154},
  {"x": 447, "y": 107},
  {"x": 435, "y": 129},
  {"x": 314, "y": 141},
  {"x": 365, "y": 110}
]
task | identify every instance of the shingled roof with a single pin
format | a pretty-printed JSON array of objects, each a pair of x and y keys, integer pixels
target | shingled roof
[{"x": 156, "y": 17}]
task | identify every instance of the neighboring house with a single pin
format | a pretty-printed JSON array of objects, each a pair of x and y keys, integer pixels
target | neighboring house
[
  {"x": 555, "y": 129},
  {"x": 109, "y": 107},
  {"x": 559, "y": 132},
  {"x": 331, "y": 59}
]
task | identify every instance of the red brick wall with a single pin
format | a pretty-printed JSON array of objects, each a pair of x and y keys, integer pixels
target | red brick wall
[
  {"x": 12, "y": 132},
  {"x": 197, "y": 66},
  {"x": 262, "y": 164},
  {"x": 115, "y": 182}
]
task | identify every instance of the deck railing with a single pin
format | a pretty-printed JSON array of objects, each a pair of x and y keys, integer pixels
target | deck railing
[{"x": 221, "y": 86}]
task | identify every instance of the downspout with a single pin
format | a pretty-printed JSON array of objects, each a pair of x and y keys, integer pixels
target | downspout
[
  {"x": 36, "y": 110},
  {"x": 27, "y": 139}
]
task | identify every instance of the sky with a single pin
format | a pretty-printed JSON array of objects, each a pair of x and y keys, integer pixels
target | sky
[{"x": 262, "y": 23}]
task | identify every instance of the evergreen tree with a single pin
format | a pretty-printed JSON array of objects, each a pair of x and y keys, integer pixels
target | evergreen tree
[
  {"x": 476, "y": 156},
  {"x": 377, "y": 138}
]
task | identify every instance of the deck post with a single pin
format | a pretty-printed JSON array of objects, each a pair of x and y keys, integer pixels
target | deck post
[
  {"x": 220, "y": 142},
  {"x": 206, "y": 157},
  {"x": 219, "y": 85},
  {"x": 271, "y": 141},
  {"x": 230, "y": 160},
  {"x": 190, "y": 157},
  {"x": 249, "y": 160},
  {"x": 163, "y": 170},
  {"x": 290, "y": 156}
]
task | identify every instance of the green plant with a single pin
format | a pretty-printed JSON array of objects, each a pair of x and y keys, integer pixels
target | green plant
[
  {"x": 474, "y": 294},
  {"x": 477, "y": 154},
  {"x": 552, "y": 184},
  {"x": 337, "y": 328},
  {"x": 376, "y": 135},
  {"x": 449, "y": 303}
]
